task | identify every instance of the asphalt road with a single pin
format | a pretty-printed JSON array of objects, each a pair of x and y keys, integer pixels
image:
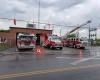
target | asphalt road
[
  {"x": 68, "y": 64},
  {"x": 76, "y": 74}
]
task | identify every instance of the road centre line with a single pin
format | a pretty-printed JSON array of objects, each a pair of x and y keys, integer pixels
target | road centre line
[
  {"x": 83, "y": 60},
  {"x": 66, "y": 58},
  {"x": 79, "y": 59},
  {"x": 47, "y": 71}
]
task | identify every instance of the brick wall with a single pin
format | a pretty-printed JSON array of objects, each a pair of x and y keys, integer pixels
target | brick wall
[{"x": 11, "y": 34}]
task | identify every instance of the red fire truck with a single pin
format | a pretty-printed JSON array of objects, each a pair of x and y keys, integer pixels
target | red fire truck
[
  {"x": 26, "y": 41},
  {"x": 75, "y": 43},
  {"x": 53, "y": 41}
]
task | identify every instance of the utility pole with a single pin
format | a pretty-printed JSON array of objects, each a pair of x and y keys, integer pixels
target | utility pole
[
  {"x": 89, "y": 35},
  {"x": 92, "y": 37},
  {"x": 38, "y": 14},
  {"x": 60, "y": 32},
  {"x": 33, "y": 16}
]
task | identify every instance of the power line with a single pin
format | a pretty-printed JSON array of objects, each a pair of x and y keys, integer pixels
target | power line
[
  {"x": 37, "y": 22},
  {"x": 45, "y": 23}
]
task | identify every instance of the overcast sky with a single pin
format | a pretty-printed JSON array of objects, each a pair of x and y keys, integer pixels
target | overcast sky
[{"x": 66, "y": 12}]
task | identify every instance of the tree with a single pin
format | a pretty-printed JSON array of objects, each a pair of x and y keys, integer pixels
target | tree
[
  {"x": 4, "y": 30},
  {"x": 98, "y": 42},
  {"x": 71, "y": 36}
]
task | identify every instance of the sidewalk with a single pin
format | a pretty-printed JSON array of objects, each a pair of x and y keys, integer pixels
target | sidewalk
[{"x": 8, "y": 51}]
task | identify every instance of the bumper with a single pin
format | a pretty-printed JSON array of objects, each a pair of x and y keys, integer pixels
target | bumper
[
  {"x": 26, "y": 47},
  {"x": 57, "y": 46},
  {"x": 81, "y": 46}
]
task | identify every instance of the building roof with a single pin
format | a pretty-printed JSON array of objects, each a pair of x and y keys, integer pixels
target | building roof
[{"x": 28, "y": 28}]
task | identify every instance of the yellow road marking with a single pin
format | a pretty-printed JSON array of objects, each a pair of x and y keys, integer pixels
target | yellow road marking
[{"x": 47, "y": 71}]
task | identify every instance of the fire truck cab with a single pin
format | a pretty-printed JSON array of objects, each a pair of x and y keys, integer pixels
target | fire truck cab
[
  {"x": 26, "y": 41},
  {"x": 53, "y": 41}
]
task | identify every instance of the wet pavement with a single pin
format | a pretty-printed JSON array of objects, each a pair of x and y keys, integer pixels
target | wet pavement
[
  {"x": 27, "y": 61},
  {"x": 84, "y": 74}
]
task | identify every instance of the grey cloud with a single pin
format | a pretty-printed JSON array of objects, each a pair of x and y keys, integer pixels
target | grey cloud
[
  {"x": 33, "y": 3},
  {"x": 62, "y": 5},
  {"x": 59, "y": 6},
  {"x": 11, "y": 8},
  {"x": 16, "y": 10}
]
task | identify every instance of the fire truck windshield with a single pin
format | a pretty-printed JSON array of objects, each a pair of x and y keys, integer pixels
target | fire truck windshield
[
  {"x": 27, "y": 38},
  {"x": 56, "y": 39}
]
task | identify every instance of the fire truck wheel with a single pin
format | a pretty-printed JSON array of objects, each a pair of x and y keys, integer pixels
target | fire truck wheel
[
  {"x": 19, "y": 49},
  {"x": 61, "y": 48},
  {"x": 78, "y": 47},
  {"x": 43, "y": 44},
  {"x": 82, "y": 48},
  {"x": 67, "y": 46},
  {"x": 74, "y": 46},
  {"x": 52, "y": 48},
  {"x": 48, "y": 46}
]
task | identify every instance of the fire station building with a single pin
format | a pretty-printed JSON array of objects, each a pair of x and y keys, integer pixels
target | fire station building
[{"x": 9, "y": 36}]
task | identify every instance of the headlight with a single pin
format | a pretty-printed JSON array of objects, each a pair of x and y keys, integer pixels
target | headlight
[
  {"x": 31, "y": 44},
  {"x": 18, "y": 44}
]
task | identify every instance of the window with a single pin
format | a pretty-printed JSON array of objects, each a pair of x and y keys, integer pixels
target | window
[{"x": 3, "y": 40}]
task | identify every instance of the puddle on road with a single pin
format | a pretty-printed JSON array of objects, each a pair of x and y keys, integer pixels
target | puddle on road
[
  {"x": 8, "y": 58},
  {"x": 66, "y": 52}
]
